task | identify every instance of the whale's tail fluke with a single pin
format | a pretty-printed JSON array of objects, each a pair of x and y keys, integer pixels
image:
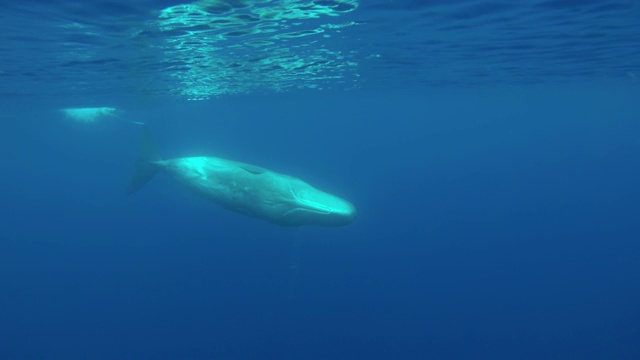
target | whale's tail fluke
[{"x": 146, "y": 166}]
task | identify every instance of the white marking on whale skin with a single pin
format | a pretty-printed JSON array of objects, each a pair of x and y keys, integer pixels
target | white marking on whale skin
[{"x": 193, "y": 167}]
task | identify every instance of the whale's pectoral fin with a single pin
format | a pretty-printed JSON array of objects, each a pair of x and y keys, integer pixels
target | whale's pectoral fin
[{"x": 252, "y": 169}]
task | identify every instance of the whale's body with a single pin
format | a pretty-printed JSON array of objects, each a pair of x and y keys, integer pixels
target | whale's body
[{"x": 248, "y": 189}]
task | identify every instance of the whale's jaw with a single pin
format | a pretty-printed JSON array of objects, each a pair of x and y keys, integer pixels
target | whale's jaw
[{"x": 315, "y": 207}]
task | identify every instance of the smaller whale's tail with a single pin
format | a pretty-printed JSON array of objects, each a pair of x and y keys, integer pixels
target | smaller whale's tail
[{"x": 146, "y": 166}]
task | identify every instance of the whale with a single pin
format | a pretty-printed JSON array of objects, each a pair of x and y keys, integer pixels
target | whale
[{"x": 244, "y": 188}]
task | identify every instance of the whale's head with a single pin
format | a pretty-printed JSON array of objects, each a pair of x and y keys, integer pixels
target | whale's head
[{"x": 310, "y": 206}]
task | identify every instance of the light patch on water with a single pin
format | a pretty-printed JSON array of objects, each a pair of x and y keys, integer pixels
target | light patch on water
[{"x": 240, "y": 46}]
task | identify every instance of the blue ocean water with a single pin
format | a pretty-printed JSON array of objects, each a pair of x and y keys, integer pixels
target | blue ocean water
[{"x": 490, "y": 148}]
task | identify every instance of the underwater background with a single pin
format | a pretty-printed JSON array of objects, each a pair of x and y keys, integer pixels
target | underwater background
[{"x": 491, "y": 149}]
